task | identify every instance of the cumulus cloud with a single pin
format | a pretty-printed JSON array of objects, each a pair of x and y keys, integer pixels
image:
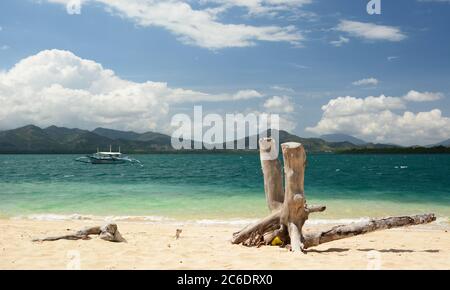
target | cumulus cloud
[
  {"x": 278, "y": 104},
  {"x": 366, "y": 82},
  {"x": 58, "y": 87},
  {"x": 371, "y": 31},
  {"x": 201, "y": 27},
  {"x": 382, "y": 119},
  {"x": 414, "y": 96}
]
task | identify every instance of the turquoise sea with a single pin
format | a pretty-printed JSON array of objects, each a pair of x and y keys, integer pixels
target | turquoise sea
[{"x": 219, "y": 186}]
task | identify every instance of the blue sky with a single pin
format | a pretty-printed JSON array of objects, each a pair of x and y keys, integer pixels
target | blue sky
[{"x": 290, "y": 57}]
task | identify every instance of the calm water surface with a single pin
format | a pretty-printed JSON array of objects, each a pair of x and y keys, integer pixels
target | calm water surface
[{"x": 220, "y": 186}]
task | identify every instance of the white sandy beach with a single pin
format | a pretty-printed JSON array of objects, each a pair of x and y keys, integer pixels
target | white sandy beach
[{"x": 153, "y": 246}]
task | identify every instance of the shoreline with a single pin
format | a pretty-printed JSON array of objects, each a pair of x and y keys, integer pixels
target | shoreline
[
  {"x": 442, "y": 222},
  {"x": 207, "y": 246}
]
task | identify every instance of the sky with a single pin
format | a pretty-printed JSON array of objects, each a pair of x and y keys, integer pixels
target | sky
[{"x": 325, "y": 66}]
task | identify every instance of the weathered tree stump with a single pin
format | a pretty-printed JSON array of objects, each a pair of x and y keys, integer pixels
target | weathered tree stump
[
  {"x": 289, "y": 210},
  {"x": 271, "y": 168},
  {"x": 108, "y": 232}
]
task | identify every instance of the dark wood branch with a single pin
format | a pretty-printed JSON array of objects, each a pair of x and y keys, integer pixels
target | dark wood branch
[{"x": 265, "y": 225}]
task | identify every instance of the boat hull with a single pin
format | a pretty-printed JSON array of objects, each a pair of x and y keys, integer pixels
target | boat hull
[{"x": 106, "y": 161}]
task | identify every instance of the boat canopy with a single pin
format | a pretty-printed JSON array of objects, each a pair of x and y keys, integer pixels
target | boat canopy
[{"x": 109, "y": 153}]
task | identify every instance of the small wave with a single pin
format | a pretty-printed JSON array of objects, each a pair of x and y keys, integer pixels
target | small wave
[
  {"x": 441, "y": 221},
  {"x": 250, "y": 221},
  {"x": 54, "y": 217},
  {"x": 137, "y": 218},
  {"x": 79, "y": 217},
  {"x": 225, "y": 222},
  {"x": 401, "y": 167},
  {"x": 336, "y": 221}
]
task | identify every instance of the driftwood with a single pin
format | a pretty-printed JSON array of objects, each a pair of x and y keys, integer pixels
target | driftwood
[
  {"x": 289, "y": 210},
  {"x": 272, "y": 175},
  {"x": 107, "y": 232}
]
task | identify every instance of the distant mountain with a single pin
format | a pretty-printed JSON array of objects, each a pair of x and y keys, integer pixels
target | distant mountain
[
  {"x": 156, "y": 138},
  {"x": 32, "y": 139},
  {"x": 315, "y": 144},
  {"x": 399, "y": 150},
  {"x": 26, "y": 139},
  {"x": 310, "y": 144},
  {"x": 342, "y": 138},
  {"x": 116, "y": 134},
  {"x": 445, "y": 143}
]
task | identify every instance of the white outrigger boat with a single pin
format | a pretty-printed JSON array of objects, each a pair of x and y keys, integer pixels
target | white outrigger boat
[{"x": 107, "y": 158}]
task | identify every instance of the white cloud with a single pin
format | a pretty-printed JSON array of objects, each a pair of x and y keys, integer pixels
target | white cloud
[
  {"x": 342, "y": 40},
  {"x": 375, "y": 119},
  {"x": 414, "y": 96},
  {"x": 286, "y": 121},
  {"x": 392, "y": 58},
  {"x": 299, "y": 66},
  {"x": 366, "y": 82},
  {"x": 371, "y": 31},
  {"x": 282, "y": 89},
  {"x": 58, "y": 87},
  {"x": 199, "y": 27},
  {"x": 245, "y": 95},
  {"x": 261, "y": 7},
  {"x": 279, "y": 104},
  {"x": 347, "y": 106}
]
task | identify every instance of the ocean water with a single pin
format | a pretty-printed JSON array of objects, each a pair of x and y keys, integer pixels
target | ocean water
[{"x": 218, "y": 187}]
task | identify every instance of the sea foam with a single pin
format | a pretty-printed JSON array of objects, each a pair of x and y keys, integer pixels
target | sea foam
[
  {"x": 162, "y": 219},
  {"x": 441, "y": 221}
]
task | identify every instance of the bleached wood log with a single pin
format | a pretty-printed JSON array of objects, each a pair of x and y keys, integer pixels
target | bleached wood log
[
  {"x": 108, "y": 232},
  {"x": 289, "y": 211},
  {"x": 268, "y": 224},
  {"x": 315, "y": 208},
  {"x": 273, "y": 183},
  {"x": 267, "y": 229},
  {"x": 289, "y": 215},
  {"x": 355, "y": 229},
  {"x": 293, "y": 211}
]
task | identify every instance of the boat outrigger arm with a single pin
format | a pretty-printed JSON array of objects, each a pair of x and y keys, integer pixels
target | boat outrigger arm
[{"x": 107, "y": 158}]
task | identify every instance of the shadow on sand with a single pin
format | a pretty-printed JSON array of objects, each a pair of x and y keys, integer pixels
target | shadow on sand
[
  {"x": 340, "y": 250},
  {"x": 398, "y": 251}
]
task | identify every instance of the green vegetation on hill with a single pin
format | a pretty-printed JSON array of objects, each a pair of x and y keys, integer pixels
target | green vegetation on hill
[
  {"x": 31, "y": 139},
  {"x": 342, "y": 138},
  {"x": 34, "y": 140}
]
